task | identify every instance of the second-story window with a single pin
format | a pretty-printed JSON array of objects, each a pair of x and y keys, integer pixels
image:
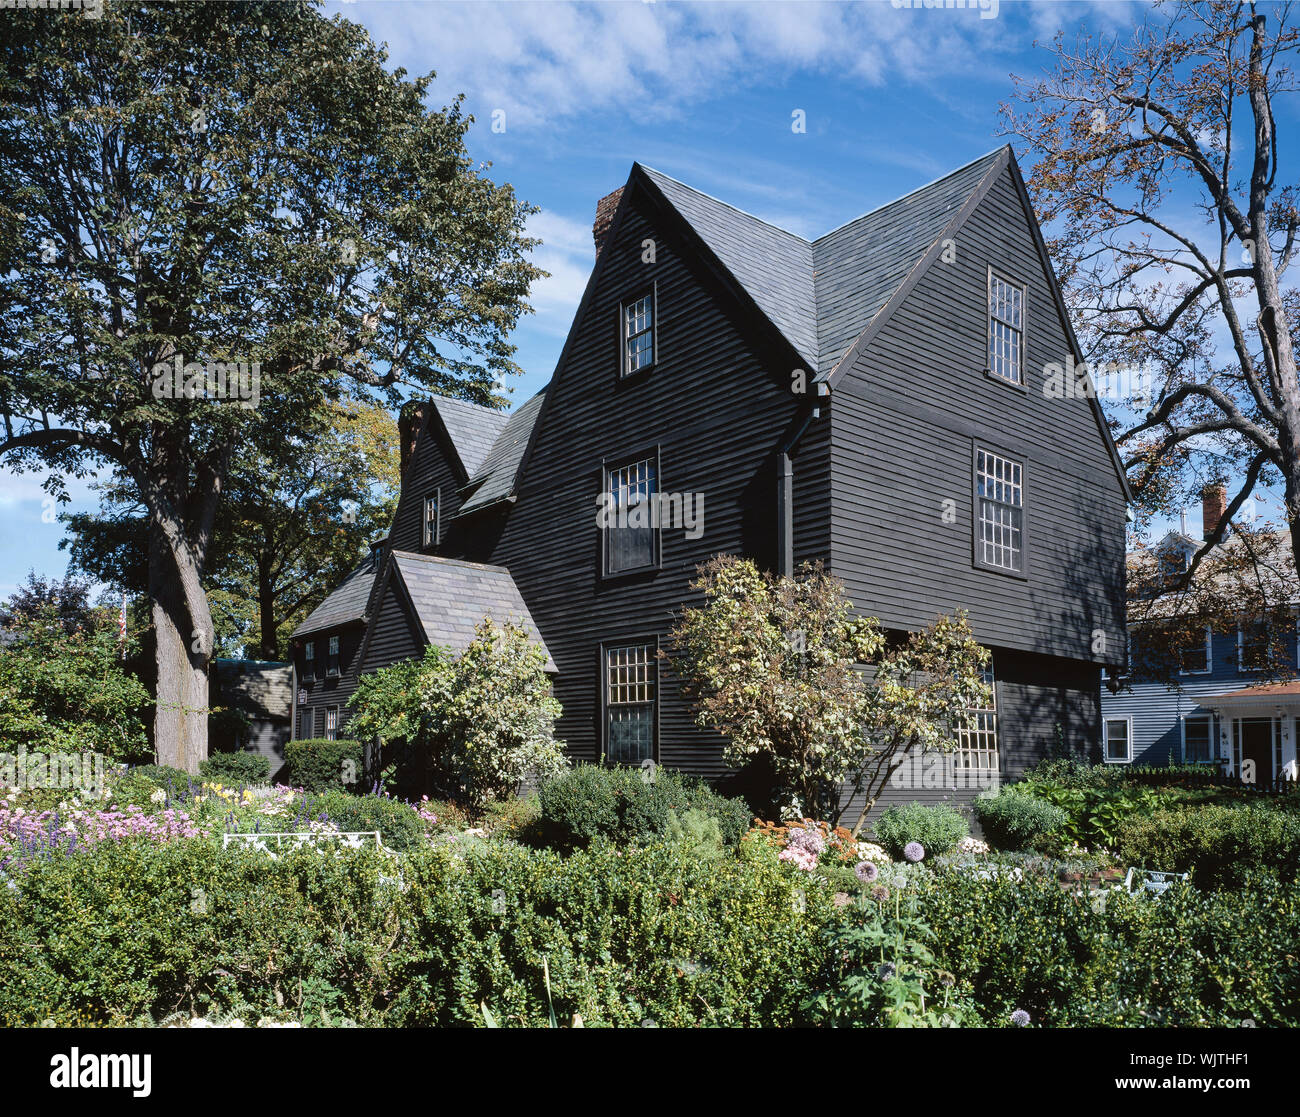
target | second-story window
[
  {"x": 1006, "y": 329},
  {"x": 638, "y": 329},
  {"x": 1198, "y": 657},
  {"x": 333, "y": 667},
  {"x": 432, "y": 526},
  {"x": 631, "y": 537},
  {"x": 999, "y": 512},
  {"x": 1253, "y": 647},
  {"x": 309, "y": 659}
]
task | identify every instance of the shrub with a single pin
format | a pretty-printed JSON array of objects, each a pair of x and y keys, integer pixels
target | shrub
[
  {"x": 236, "y": 767},
  {"x": 400, "y": 827},
  {"x": 1094, "y": 814},
  {"x": 1218, "y": 845},
  {"x": 1012, "y": 819},
  {"x": 320, "y": 765},
  {"x": 625, "y": 806},
  {"x": 938, "y": 828}
]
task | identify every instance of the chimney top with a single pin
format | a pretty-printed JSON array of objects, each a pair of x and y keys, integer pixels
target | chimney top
[
  {"x": 1214, "y": 505},
  {"x": 409, "y": 421},
  {"x": 605, "y": 210}
]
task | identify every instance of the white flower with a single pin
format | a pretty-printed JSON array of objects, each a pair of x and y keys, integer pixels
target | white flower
[{"x": 159, "y": 796}]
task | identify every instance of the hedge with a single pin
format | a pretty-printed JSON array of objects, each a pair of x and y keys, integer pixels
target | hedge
[
  {"x": 236, "y": 767},
  {"x": 320, "y": 765}
]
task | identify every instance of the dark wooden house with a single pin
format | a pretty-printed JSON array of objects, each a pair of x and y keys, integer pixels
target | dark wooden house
[{"x": 877, "y": 398}]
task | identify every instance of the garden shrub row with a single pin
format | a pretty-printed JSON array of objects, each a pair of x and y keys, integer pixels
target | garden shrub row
[
  {"x": 628, "y": 937},
  {"x": 236, "y": 767},
  {"x": 322, "y": 765},
  {"x": 629, "y": 806}
]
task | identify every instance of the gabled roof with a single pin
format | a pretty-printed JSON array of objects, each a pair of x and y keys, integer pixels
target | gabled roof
[
  {"x": 346, "y": 604},
  {"x": 495, "y": 478},
  {"x": 471, "y": 427},
  {"x": 450, "y": 596}
]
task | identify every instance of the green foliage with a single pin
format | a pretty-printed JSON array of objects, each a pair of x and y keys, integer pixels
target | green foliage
[
  {"x": 482, "y": 722},
  {"x": 316, "y": 764},
  {"x": 1219, "y": 845},
  {"x": 774, "y": 664},
  {"x": 1012, "y": 819},
  {"x": 629, "y": 806},
  {"x": 236, "y": 768},
  {"x": 399, "y": 826},
  {"x": 697, "y": 834},
  {"x": 63, "y": 692},
  {"x": 938, "y": 828},
  {"x": 386, "y": 703},
  {"x": 623, "y": 937},
  {"x": 1094, "y": 814}
]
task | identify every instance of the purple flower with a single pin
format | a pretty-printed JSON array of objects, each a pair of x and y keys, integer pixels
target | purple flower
[
  {"x": 914, "y": 851},
  {"x": 866, "y": 871},
  {"x": 880, "y": 893},
  {"x": 886, "y": 971},
  {"x": 1020, "y": 1018}
]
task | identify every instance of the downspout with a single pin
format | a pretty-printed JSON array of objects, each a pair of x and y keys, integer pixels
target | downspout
[{"x": 785, "y": 485}]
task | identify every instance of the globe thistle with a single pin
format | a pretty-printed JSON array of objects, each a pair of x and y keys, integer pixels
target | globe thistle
[
  {"x": 885, "y": 971},
  {"x": 914, "y": 851},
  {"x": 880, "y": 893},
  {"x": 866, "y": 871},
  {"x": 1020, "y": 1018}
]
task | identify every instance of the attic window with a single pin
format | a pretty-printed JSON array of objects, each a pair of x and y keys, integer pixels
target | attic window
[
  {"x": 1006, "y": 330},
  {"x": 636, "y": 325},
  {"x": 432, "y": 526}
]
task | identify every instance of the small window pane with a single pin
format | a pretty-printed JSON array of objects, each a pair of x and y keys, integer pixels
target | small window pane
[
  {"x": 1001, "y": 514},
  {"x": 638, "y": 334}
]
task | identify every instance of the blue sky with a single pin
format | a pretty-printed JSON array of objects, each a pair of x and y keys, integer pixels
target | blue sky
[{"x": 703, "y": 92}]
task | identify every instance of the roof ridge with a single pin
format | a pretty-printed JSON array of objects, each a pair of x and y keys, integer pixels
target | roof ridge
[
  {"x": 444, "y": 560},
  {"x": 435, "y": 397},
  {"x": 903, "y": 197}
]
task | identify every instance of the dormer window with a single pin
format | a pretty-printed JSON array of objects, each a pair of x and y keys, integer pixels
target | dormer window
[
  {"x": 637, "y": 328},
  {"x": 432, "y": 525},
  {"x": 1006, "y": 330}
]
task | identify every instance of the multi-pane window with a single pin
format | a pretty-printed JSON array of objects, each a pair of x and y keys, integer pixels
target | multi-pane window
[
  {"x": 1252, "y": 646},
  {"x": 1118, "y": 743},
  {"x": 1198, "y": 740},
  {"x": 1006, "y": 329},
  {"x": 331, "y": 723},
  {"x": 631, "y": 676},
  {"x": 1198, "y": 656},
  {"x": 432, "y": 527},
  {"x": 999, "y": 540},
  {"x": 312, "y": 669},
  {"x": 977, "y": 734},
  {"x": 333, "y": 668},
  {"x": 638, "y": 334},
  {"x": 630, "y": 534}
]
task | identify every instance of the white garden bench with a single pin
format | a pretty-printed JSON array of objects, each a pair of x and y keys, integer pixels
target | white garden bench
[
  {"x": 1151, "y": 880},
  {"x": 296, "y": 839}
]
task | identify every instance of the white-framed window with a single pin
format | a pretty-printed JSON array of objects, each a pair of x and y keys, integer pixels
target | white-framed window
[
  {"x": 1006, "y": 329},
  {"x": 631, "y": 687},
  {"x": 637, "y": 320},
  {"x": 1117, "y": 743},
  {"x": 331, "y": 723},
  {"x": 1200, "y": 744},
  {"x": 333, "y": 665},
  {"x": 631, "y": 537},
  {"x": 977, "y": 734},
  {"x": 999, "y": 512},
  {"x": 432, "y": 531},
  {"x": 1198, "y": 659}
]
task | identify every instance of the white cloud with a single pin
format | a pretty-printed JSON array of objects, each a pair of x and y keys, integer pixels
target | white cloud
[{"x": 566, "y": 251}]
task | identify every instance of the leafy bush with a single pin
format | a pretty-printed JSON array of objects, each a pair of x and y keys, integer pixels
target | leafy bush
[
  {"x": 938, "y": 828},
  {"x": 628, "y": 806},
  {"x": 1012, "y": 819},
  {"x": 400, "y": 827},
  {"x": 696, "y": 834},
  {"x": 162, "y": 775},
  {"x": 236, "y": 767},
  {"x": 1094, "y": 814},
  {"x": 1218, "y": 845},
  {"x": 320, "y": 765},
  {"x": 628, "y": 937}
]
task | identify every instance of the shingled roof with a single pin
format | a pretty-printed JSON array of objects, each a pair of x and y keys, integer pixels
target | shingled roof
[
  {"x": 821, "y": 294},
  {"x": 471, "y": 427},
  {"x": 451, "y": 596},
  {"x": 346, "y": 604},
  {"x": 495, "y": 478}
]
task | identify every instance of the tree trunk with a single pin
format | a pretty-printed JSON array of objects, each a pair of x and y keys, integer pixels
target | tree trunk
[{"x": 181, "y": 713}]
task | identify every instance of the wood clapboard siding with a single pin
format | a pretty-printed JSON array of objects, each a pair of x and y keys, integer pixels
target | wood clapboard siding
[
  {"x": 715, "y": 406},
  {"x": 904, "y": 421},
  {"x": 432, "y": 468},
  {"x": 325, "y": 691}
]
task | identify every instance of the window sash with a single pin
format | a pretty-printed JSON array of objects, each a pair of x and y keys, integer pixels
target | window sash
[
  {"x": 638, "y": 334},
  {"x": 1198, "y": 740},
  {"x": 1198, "y": 659},
  {"x": 331, "y": 723},
  {"x": 976, "y": 731},
  {"x": 631, "y": 684},
  {"x": 431, "y": 522},
  {"x": 1113, "y": 737},
  {"x": 1006, "y": 330},
  {"x": 1000, "y": 510},
  {"x": 630, "y": 548}
]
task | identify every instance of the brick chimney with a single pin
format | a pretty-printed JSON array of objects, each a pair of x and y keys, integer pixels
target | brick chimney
[
  {"x": 605, "y": 209},
  {"x": 1214, "y": 502},
  {"x": 409, "y": 421}
]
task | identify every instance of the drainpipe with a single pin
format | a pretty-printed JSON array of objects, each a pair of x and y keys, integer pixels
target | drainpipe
[{"x": 785, "y": 485}]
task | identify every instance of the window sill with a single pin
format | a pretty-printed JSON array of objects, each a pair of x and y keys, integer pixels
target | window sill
[
  {"x": 1020, "y": 575},
  {"x": 1019, "y": 385}
]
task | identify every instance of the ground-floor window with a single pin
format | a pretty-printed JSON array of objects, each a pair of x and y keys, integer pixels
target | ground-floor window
[
  {"x": 631, "y": 676},
  {"x": 1118, "y": 740},
  {"x": 977, "y": 733},
  {"x": 331, "y": 723},
  {"x": 1198, "y": 740}
]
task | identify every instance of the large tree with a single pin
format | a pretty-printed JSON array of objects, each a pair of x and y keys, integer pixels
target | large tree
[
  {"x": 1161, "y": 171},
  {"x": 191, "y": 186}
]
